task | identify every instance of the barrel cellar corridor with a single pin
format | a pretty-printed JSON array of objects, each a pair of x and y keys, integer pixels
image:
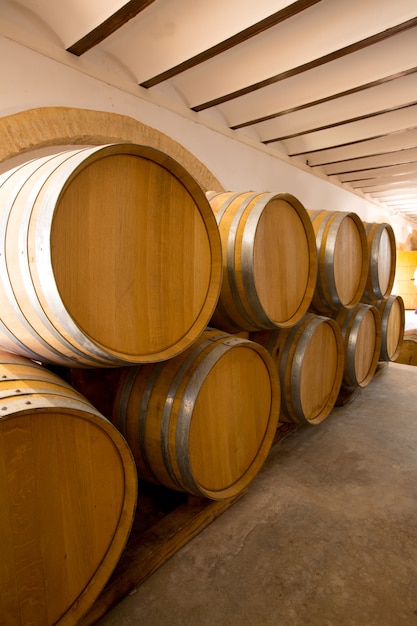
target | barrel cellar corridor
[
  {"x": 208, "y": 337},
  {"x": 324, "y": 535},
  {"x": 266, "y": 347}
]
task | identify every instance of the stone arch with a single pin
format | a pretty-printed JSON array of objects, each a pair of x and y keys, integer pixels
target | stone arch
[{"x": 32, "y": 129}]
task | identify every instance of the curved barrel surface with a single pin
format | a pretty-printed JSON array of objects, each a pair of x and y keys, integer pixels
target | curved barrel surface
[
  {"x": 269, "y": 260},
  {"x": 109, "y": 256},
  {"x": 69, "y": 488}
]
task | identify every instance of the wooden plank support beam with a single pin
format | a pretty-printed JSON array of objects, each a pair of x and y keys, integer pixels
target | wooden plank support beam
[
  {"x": 146, "y": 552},
  {"x": 109, "y": 26}
]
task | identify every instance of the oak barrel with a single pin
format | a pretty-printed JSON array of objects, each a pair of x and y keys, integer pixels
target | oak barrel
[
  {"x": 68, "y": 495},
  {"x": 391, "y": 310},
  {"x": 309, "y": 359},
  {"x": 382, "y": 261},
  {"x": 108, "y": 255},
  {"x": 269, "y": 260},
  {"x": 204, "y": 421},
  {"x": 361, "y": 331},
  {"x": 342, "y": 251}
]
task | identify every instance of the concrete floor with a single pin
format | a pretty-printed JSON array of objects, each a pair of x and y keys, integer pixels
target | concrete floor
[{"x": 326, "y": 534}]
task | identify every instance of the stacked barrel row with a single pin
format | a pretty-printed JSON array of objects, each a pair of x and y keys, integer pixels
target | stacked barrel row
[
  {"x": 185, "y": 326},
  {"x": 111, "y": 265},
  {"x": 325, "y": 335},
  {"x": 357, "y": 262},
  {"x": 270, "y": 273}
]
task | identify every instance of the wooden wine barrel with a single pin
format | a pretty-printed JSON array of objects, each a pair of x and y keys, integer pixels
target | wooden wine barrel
[
  {"x": 204, "y": 421},
  {"x": 108, "y": 255},
  {"x": 269, "y": 260},
  {"x": 382, "y": 261},
  {"x": 343, "y": 255},
  {"x": 391, "y": 310},
  {"x": 361, "y": 331},
  {"x": 309, "y": 358},
  {"x": 68, "y": 495}
]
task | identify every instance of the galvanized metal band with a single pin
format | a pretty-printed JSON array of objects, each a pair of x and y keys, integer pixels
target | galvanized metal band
[
  {"x": 386, "y": 306},
  {"x": 9, "y": 342},
  {"x": 50, "y": 352},
  {"x": 5, "y": 176},
  {"x": 143, "y": 416},
  {"x": 225, "y": 205},
  {"x": 28, "y": 391},
  {"x": 352, "y": 338},
  {"x": 167, "y": 413},
  {"x": 18, "y": 404},
  {"x": 179, "y": 417},
  {"x": 123, "y": 412},
  {"x": 219, "y": 334},
  {"x": 344, "y": 325},
  {"x": 230, "y": 255},
  {"x": 282, "y": 368},
  {"x": 25, "y": 262},
  {"x": 247, "y": 261},
  {"x": 384, "y": 334},
  {"x": 333, "y": 298},
  {"x": 374, "y": 249},
  {"x": 79, "y": 342},
  {"x": 19, "y": 360},
  {"x": 188, "y": 402},
  {"x": 297, "y": 366},
  {"x": 373, "y": 275},
  {"x": 35, "y": 378}
]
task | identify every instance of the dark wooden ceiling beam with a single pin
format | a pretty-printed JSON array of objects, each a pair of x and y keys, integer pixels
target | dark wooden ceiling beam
[
  {"x": 109, "y": 26},
  {"x": 351, "y": 120},
  {"x": 227, "y": 44},
  {"x": 396, "y": 179},
  {"x": 352, "y": 143},
  {"x": 371, "y": 155},
  {"x": 327, "y": 58},
  {"x": 373, "y": 168},
  {"x": 340, "y": 94}
]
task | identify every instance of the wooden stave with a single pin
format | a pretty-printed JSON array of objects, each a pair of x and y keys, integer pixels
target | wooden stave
[
  {"x": 61, "y": 341},
  {"x": 373, "y": 288},
  {"x": 385, "y": 308},
  {"x": 288, "y": 347},
  {"x": 239, "y": 307},
  {"x": 171, "y": 384},
  {"x": 350, "y": 321},
  {"x": 29, "y": 394},
  {"x": 326, "y": 226}
]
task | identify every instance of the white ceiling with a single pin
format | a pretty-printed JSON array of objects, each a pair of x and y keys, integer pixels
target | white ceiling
[{"x": 329, "y": 83}]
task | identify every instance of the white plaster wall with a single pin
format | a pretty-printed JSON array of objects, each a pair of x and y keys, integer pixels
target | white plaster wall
[{"x": 31, "y": 77}]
